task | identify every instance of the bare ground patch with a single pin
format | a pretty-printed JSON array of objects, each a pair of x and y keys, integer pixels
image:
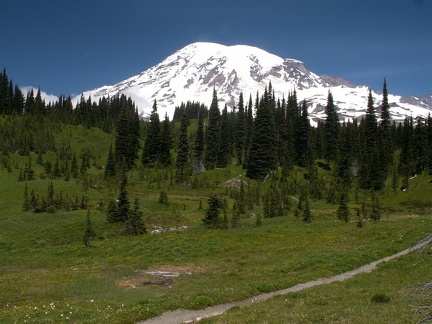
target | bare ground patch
[{"x": 163, "y": 276}]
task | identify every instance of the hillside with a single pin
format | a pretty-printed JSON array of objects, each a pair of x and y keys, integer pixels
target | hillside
[{"x": 121, "y": 219}]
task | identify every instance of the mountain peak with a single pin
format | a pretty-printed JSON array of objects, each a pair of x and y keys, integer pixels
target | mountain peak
[{"x": 191, "y": 73}]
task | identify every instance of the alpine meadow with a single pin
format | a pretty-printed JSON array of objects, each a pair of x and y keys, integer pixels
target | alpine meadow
[{"x": 110, "y": 216}]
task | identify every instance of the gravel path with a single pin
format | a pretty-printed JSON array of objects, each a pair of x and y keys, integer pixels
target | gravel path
[{"x": 193, "y": 316}]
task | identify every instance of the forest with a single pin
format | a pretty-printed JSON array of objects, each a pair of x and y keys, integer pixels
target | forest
[{"x": 267, "y": 136}]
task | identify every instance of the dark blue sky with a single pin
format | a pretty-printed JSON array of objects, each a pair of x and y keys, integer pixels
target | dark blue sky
[{"x": 70, "y": 46}]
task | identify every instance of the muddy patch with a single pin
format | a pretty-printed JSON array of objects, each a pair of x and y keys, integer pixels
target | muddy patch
[{"x": 163, "y": 276}]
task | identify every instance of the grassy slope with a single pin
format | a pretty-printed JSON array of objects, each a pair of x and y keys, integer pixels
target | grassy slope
[{"x": 47, "y": 275}]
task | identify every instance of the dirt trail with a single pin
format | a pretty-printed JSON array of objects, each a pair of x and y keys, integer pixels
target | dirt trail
[{"x": 193, "y": 316}]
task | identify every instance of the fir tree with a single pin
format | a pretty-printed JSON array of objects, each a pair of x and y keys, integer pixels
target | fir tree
[
  {"x": 26, "y": 203},
  {"x": 262, "y": 153},
  {"x": 370, "y": 173},
  {"x": 112, "y": 211},
  {"x": 302, "y": 137},
  {"x": 74, "y": 166},
  {"x": 343, "y": 210},
  {"x": 125, "y": 145},
  {"x": 212, "y": 218},
  {"x": 123, "y": 201},
  {"x": 163, "y": 198},
  {"x": 240, "y": 131},
  {"x": 151, "y": 147},
  {"x": 135, "y": 224},
  {"x": 182, "y": 151},
  {"x": 386, "y": 145},
  {"x": 165, "y": 143},
  {"x": 307, "y": 217},
  {"x": 89, "y": 233},
  {"x": 375, "y": 212},
  {"x": 331, "y": 126},
  {"x": 212, "y": 135},
  {"x": 224, "y": 155},
  {"x": 199, "y": 145},
  {"x": 110, "y": 165}
]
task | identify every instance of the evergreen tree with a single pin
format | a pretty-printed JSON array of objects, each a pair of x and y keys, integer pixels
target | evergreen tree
[
  {"x": 421, "y": 145},
  {"x": 123, "y": 201},
  {"x": 262, "y": 153},
  {"x": 331, "y": 127},
  {"x": 386, "y": 145},
  {"x": 343, "y": 210},
  {"x": 224, "y": 156},
  {"x": 182, "y": 151},
  {"x": 199, "y": 145},
  {"x": 151, "y": 147},
  {"x": 112, "y": 211},
  {"x": 212, "y": 136},
  {"x": 26, "y": 203},
  {"x": 370, "y": 173},
  {"x": 212, "y": 218},
  {"x": 248, "y": 128},
  {"x": 89, "y": 232},
  {"x": 110, "y": 170},
  {"x": 375, "y": 212},
  {"x": 307, "y": 217},
  {"x": 240, "y": 131},
  {"x": 134, "y": 224},
  {"x": 165, "y": 143},
  {"x": 303, "y": 135},
  {"x": 74, "y": 166}
]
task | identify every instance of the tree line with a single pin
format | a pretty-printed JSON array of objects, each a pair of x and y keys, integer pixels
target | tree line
[{"x": 269, "y": 137}]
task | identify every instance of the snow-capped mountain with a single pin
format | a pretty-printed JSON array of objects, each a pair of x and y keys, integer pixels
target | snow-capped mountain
[{"x": 191, "y": 73}]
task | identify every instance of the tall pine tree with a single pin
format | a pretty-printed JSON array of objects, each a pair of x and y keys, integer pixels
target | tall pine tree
[
  {"x": 331, "y": 127},
  {"x": 151, "y": 147},
  {"x": 262, "y": 152},
  {"x": 212, "y": 139}
]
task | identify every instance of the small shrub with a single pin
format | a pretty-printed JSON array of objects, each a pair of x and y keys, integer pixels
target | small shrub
[{"x": 380, "y": 298}]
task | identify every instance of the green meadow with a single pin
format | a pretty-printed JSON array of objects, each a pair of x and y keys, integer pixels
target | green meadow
[{"x": 48, "y": 275}]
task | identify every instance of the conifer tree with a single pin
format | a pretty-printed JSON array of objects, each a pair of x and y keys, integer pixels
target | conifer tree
[
  {"x": 331, "y": 126},
  {"x": 112, "y": 211},
  {"x": 212, "y": 135},
  {"x": 151, "y": 147},
  {"x": 74, "y": 166},
  {"x": 199, "y": 145},
  {"x": 182, "y": 151},
  {"x": 386, "y": 145},
  {"x": 165, "y": 143},
  {"x": 89, "y": 232},
  {"x": 212, "y": 218},
  {"x": 224, "y": 155},
  {"x": 240, "y": 131},
  {"x": 307, "y": 217},
  {"x": 135, "y": 224},
  {"x": 343, "y": 210},
  {"x": 370, "y": 173},
  {"x": 123, "y": 201},
  {"x": 375, "y": 212},
  {"x": 26, "y": 203},
  {"x": 262, "y": 153},
  {"x": 303, "y": 135},
  {"x": 110, "y": 170},
  {"x": 248, "y": 130}
]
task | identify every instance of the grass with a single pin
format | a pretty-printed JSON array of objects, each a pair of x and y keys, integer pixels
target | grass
[
  {"x": 389, "y": 294},
  {"x": 48, "y": 276}
]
